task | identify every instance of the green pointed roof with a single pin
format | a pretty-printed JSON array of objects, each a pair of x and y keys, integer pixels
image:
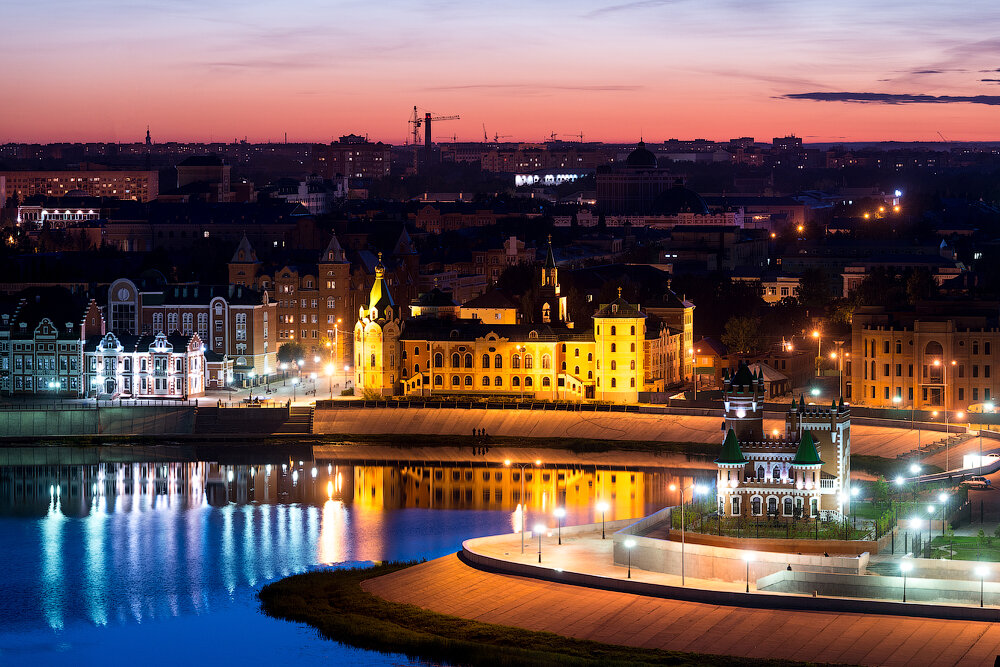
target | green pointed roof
[
  {"x": 731, "y": 452},
  {"x": 743, "y": 376},
  {"x": 806, "y": 455}
]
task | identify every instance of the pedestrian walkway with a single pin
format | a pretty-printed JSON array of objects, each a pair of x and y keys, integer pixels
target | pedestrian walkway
[{"x": 449, "y": 586}]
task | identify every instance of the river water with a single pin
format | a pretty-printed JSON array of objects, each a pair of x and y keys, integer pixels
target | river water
[{"x": 159, "y": 560}]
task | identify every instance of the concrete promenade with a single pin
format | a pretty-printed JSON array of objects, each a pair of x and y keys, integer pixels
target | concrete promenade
[{"x": 450, "y": 586}]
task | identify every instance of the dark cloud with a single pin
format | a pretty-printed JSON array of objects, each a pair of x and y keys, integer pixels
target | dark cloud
[
  {"x": 894, "y": 98},
  {"x": 937, "y": 71},
  {"x": 990, "y": 80}
]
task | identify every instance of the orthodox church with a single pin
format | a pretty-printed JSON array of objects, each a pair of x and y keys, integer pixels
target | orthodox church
[{"x": 800, "y": 472}]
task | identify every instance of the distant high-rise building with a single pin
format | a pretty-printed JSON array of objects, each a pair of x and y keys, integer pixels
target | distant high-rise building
[
  {"x": 352, "y": 156},
  {"x": 789, "y": 144},
  {"x": 92, "y": 180}
]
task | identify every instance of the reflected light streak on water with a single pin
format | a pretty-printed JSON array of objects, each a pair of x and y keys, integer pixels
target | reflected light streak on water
[{"x": 121, "y": 554}]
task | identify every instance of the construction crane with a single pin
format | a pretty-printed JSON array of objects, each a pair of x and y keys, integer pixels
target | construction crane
[
  {"x": 498, "y": 137},
  {"x": 417, "y": 121},
  {"x": 486, "y": 138},
  {"x": 578, "y": 135}
]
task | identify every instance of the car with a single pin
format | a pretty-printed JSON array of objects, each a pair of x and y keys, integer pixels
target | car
[{"x": 977, "y": 482}]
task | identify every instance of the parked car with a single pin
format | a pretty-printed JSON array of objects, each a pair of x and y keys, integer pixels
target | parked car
[{"x": 977, "y": 482}]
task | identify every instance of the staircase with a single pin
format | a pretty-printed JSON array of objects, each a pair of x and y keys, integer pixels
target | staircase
[
  {"x": 300, "y": 421},
  {"x": 939, "y": 445}
]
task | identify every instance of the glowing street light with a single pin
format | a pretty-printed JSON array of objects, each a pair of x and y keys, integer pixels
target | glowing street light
[
  {"x": 628, "y": 544},
  {"x": 539, "y": 529},
  {"x": 560, "y": 513},
  {"x": 522, "y": 466},
  {"x": 602, "y": 507}
]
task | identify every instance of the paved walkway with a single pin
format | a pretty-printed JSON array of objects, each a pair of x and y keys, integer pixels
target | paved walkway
[{"x": 448, "y": 586}]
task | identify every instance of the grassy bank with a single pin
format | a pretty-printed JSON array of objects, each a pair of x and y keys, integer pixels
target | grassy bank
[{"x": 334, "y": 603}]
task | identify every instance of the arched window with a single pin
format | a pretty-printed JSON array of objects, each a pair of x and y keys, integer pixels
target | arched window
[
  {"x": 564, "y": 365},
  {"x": 468, "y": 361},
  {"x": 497, "y": 361},
  {"x": 755, "y": 506},
  {"x": 515, "y": 361},
  {"x": 516, "y": 381},
  {"x": 613, "y": 330},
  {"x": 528, "y": 382},
  {"x": 373, "y": 361},
  {"x": 632, "y": 365},
  {"x": 590, "y": 375},
  {"x": 468, "y": 380},
  {"x": 776, "y": 473},
  {"x": 632, "y": 347},
  {"x": 772, "y": 505},
  {"x": 787, "y": 506},
  {"x": 614, "y": 365},
  {"x": 546, "y": 362},
  {"x": 456, "y": 360},
  {"x": 576, "y": 371},
  {"x": 486, "y": 361},
  {"x": 760, "y": 472},
  {"x": 631, "y": 382},
  {"x": 454, "y": 381},
  {"x": 330, "y": 302},
  {"x": 498, "y": 381},
  {"x": 546, "y": 382},
  {"x": 416, "y": 368},
  {"x": 633, "y": 330},
  {"x": 438, "y": 380},
  {"x": 590, "y": 356},
  {"x": 576, "y": 352},
  {"x": 416, "y": 351},
  {"x": 614, "y": 383},
  {"x": 438, "y": 360},
  {"x": 529, "y": 362},
  {"x": 614, "y": 348},
  {"x": 486, "y": 380}
]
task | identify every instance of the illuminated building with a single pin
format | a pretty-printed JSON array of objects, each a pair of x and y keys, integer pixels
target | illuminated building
[
  {"x": 614, "y": 361},
  {"x": 147, "y": 366},
  {"x": 123, "y": 184},
  {"x": 801, "y": 473},
  {"x": 352, "y": 156}
]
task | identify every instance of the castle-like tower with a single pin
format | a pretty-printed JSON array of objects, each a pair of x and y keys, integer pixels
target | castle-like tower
[
  {"x": 782, "y": 474},
  {"x": 551, "y": 303},
  {"x": 376, "y": 339}
]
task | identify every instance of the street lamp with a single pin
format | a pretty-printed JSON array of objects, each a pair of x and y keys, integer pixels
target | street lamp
[
  {"x": 982, "y": 573},
  {"x": 915, "y": 471},
  {"x": 539, "y": 528},
  {"x": 749, "y": 557},
  {"x": 251, "y": 375},
  {"x": 628, "y": 544},
  {"x": 602, "y": 507},
  {"x": 943, "y": 499},
  {"x": 284, "y": 374},
  {"x": 819, "y": 348},
  {"x": 522, "y": 466},
  {"x": 904, "y": 567},
  {"x": 295, "y": 382},
  {"x": 329, "y": 373},
  {"x": 560, "y": 513},
  {"x": 695, "y": 488}
]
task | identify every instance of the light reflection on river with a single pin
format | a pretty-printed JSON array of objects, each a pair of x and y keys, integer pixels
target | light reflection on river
[{"x": 164, "y": 559}]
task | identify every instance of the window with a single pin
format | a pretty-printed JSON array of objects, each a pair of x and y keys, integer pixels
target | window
[
  {"x": 438, "y": 380},
  {"x": 576, "y": 352},
  {"x": 515, "y": 361},
  {"x": 373, "y": 361},
  {"x": 468, "y": 380},
  {"x": 486, "y": 381},
  {"x": 454, "y": 381},
  {"x": 755, "y": 506},
  {"x": 468, "y": 361},
  {"x": 546, "y": 382},
  {"x": 498, "y": 361},
  {"x": 528, "y": 362},
  {"x": 612, "y": 330},
  {"x": 614, "y": 348},
  {"x": 986, "y": 347},
  {"x": 776, "y": 473},
  {"x": 241, "y": 326},
  {"x": 486, "y": 361},
  {"x": 787, "y": 506},
  {"x": 614, "y": 383},
  {"x": 614, "y": 365},
  {"x": 438, "y": 360},
  {"x": 187, "y": 323},
  {"x": 528, "y": 382},
  {"x": 516, "y": 381},
  {"x": 455, "y": 360},
  {"x": 416, "y": 351},
  {"x": 736, "y": 505},
  {"x": 546, "y": 362},
  {"x": 498, "y": 381},
  {"x": 772, "y": 505}
]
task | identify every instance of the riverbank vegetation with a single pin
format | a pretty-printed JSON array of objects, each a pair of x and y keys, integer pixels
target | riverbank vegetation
[{"x": 334, "y": 603}]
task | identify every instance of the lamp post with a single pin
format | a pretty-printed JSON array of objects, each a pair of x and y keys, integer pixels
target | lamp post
[
  {"x": 748, "y": 557},
  {"x": 522, "y": 466},
  {"x": 943, "y": 499},
  {"x": 904, "y": 567},
  {"x": 628, "y": 544},
  {"x": 915, "y": 471},
  {"x": 819, "y": 348},
  {"x": 251, "y": 376},
  {"x": 329, "y": 374},
  {"x": 947, "y": 430},
  {"x": 982, "y": 573},
  {"x": 602, "y": 507},
  {"x": 295, "y": 383},
  {"x": 694, "y": 371},
  {"x": 539, "y": 528},
  {"x": 696, "y": 488},
  {"x": 560, "y": 513},
  {"x": 930, "y": 531},
  {"x": 284, "y": 374}
]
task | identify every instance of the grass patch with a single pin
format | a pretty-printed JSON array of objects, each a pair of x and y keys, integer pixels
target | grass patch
[
  {"x": 334, "y": 603},
  {"x": 966, "y": 548},
  {"x": 888, "y": 468}
]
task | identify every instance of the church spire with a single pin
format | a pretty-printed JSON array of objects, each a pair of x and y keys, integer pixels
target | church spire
[{"x": 334, "y": 253}]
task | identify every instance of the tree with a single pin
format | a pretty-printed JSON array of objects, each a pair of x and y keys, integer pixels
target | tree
[
  {"x": 881, "y": 490},
  {"x": 742, "y": 335},
  {"x": 814, "y": 289},
  {"x": 291, "y": 352}
]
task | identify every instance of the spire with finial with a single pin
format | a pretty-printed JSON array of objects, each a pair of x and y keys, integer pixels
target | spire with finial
[{"x": 619, "y": 291}]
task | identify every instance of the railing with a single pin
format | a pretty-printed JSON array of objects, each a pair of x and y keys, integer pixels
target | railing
[{"x": 90, "y": 404}]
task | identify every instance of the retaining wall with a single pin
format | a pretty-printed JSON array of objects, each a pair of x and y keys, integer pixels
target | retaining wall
[
  {"x": 882, "y": 587},
  {"x": 82, "y": 421}
]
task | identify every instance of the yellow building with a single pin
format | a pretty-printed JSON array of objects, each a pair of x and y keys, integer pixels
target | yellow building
[
  {"x": 376, "y": 339},
  {"x": 613, "y": 361}
]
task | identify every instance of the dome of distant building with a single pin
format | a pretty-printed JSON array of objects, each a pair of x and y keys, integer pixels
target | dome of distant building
[
  {"x": 679, "y": 199},
  {"x": 641, "y": 157}
]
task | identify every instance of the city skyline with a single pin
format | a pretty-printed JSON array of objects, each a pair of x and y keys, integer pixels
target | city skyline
[{"x": 614, "y": 71}]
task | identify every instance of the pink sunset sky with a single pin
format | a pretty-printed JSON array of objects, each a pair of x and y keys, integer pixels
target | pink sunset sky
[{"x": 195, "y": 71}]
